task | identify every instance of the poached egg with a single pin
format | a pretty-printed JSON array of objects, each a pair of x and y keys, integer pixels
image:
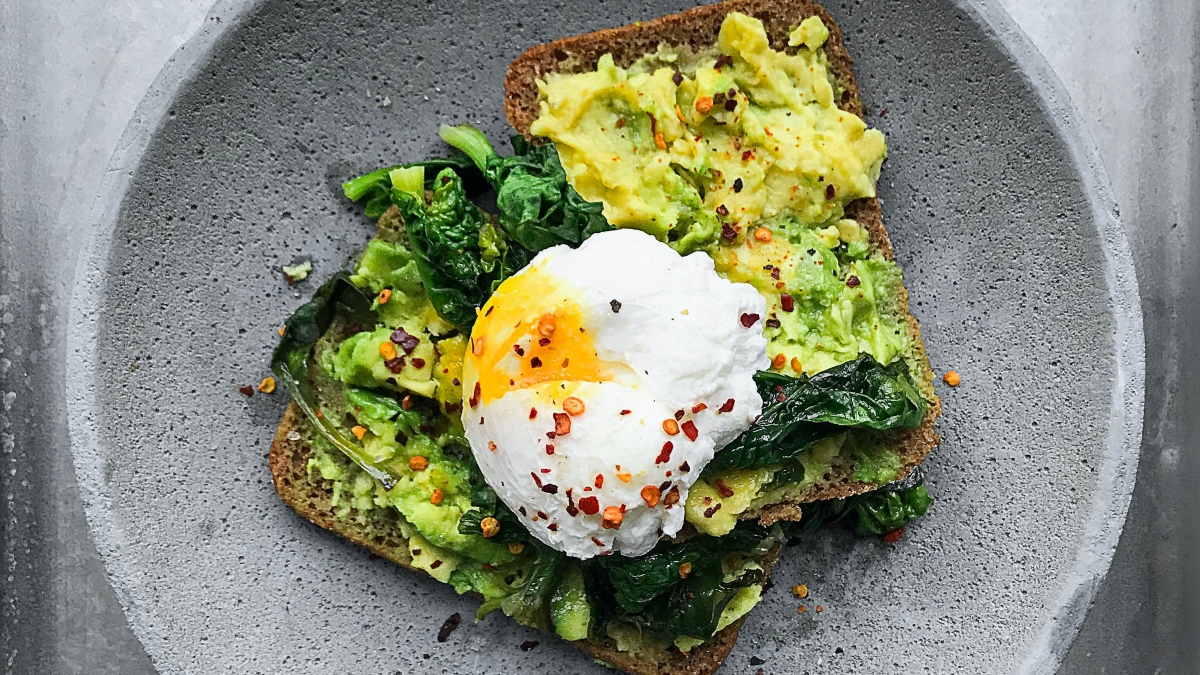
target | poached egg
[{"x": 599, "y": 383}]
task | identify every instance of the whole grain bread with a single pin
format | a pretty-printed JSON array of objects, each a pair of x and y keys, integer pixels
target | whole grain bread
[
  {"x": 378, "y": 531},
  {"x": 698, "y": 29}
]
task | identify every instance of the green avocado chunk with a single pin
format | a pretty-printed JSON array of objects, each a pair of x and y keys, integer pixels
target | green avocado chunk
[{"x": 569, "y": 607}]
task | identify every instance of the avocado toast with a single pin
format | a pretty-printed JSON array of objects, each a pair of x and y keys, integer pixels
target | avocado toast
[{"x": 388, "y": 468}]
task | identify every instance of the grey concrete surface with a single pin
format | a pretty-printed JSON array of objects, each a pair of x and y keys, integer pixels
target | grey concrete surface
[{"x": 71, "y": 74}]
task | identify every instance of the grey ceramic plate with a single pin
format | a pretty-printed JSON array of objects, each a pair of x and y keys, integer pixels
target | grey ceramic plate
[{"x": 1018, "y": 269}]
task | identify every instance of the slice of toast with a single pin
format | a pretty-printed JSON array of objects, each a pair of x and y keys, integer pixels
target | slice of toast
[
  {"x": 698, "y": 29},
  {"x": 311, "y": 496}
]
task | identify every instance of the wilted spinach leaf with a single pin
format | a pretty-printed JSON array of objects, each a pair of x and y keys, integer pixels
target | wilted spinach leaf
[
  {"x": 877, "y": 512},
  {"x": 857, "y": 394},
  {"x": 530, "y": 604},
  {"x": 538, "y": 207},
  {"x": 375, "y": 188},
  {"x": 648, "y": 591},
  {"x": 338, "y": 297},
  {"x": 445, "y": 238}
]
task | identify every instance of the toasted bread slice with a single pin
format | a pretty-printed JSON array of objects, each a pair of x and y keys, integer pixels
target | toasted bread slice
[
  {"x": 311, "y": 497},
  {"x": 698, "y": 29}
]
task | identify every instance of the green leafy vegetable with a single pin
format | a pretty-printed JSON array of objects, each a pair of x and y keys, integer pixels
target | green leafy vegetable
[
  {"x": 885, "y": 511},
  {"x": 538, "y": 207},
  {"x": 857, "y": 394},
  {"x": 338, "y": 297},
  {"x": 530, "y": 604},
  {"x": 445, "y": 239},
  {"x": 649, "y": 591},
  {"x": 376, "y": 187}
]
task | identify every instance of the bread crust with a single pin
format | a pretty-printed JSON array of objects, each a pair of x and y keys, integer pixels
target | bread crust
[{"x": 698, "y": 28}]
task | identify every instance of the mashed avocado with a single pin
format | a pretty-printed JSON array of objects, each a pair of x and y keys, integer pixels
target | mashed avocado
[
  {"x": 741, "y": 152},
  {"x": 683, "y": 145}
]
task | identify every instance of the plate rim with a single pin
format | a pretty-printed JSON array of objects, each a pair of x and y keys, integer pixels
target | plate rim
[{"x": 1121, "y": 454}]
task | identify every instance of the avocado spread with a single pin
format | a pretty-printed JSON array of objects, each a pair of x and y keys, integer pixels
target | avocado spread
[{"x": 741, "y": 152}]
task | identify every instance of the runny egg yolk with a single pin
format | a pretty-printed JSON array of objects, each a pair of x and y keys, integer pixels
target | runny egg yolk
[{"x": 531, "y": 331}]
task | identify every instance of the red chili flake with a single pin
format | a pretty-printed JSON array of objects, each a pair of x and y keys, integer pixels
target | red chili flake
[
  {"x": 678, "y": 414},
  {"x": 894, "y": 536},
  {"x": 677, "y": 78},
  {"x": 883, "y": 112},
  {"x": 708, "y": 513},
  {"x": 698, "y": 407},
  {"x": 521, "y": 509},
  {"x": 452, "y": 408},
  {"x": 565, "y": 362},
  {"x": 731, "y": 105},
  {"x": 852, "y": 281},
  {"x": 748, "y": 320},
  {"x": 787, "y": 302},
  {"x": 747, "y": 155},
  {"x": 550, "y": 435},
  {"x": 672, "y": 498},
  {"x": 246, "y": 390},
  {"x": 395, "y": 365},
  {"x": 665, "y": 455},
  {"x": 626, "y": 412},
  {"x": 553, "y": 527},
  {"x": 571, "y": 510},
  {"x": 542, "y": 515},
  {"x": 533, "y": 413},
  {"x": 542, "y": 342},
  {"x": 562, "y": 424},
  {"x": 722, "y": 61},
  {"x": 550, "y": 489},
  {"x": 407, "y": 342},
  {"x": 685, "y": 467},
  {"x": 549, "y": 449},
  {"x": 455, "y": 381},
  {"x": 599, "y": 482},
  {"x": 597, "y": 542},
  {"x": 722, "y": 210},
  {"x": 518, "y": 350},
  {"x": 489, "y": 311},
  {"x": 775, "y": 274},
  {"x": 689, "y": 430},
  {"x": 723, "y": 489},
  {"x": 772, "y": 323},
  {"x": 589, "y": 505},
  {"x": 544, "y": 470},
  {"x": 780, "y": 397},
  {"x": 474, "y": 400},
  {"x": 535, "y": 362},
  {"x": 435, "y": 564},
  {"x": 727, "y": 232},
  {"x": 418, "y": 362},
  {"x": 536, "y": 481},
  {"x": 448, "y": 626},
  {"x": 727, "y": 406},
  {"x": 830, "y": 191}
]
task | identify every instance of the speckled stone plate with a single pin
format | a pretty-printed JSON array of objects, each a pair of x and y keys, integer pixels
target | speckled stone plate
[{"x": 998, "y": 208}]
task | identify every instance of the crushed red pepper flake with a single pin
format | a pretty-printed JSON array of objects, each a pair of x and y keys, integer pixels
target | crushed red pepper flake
[
  {"x": 685, "y": 467},
  {"x": 549, "y": 449},
  {"x": 535, "y": 362},
  {"x": 611, "y": 520},
  {"x": 518, "y": 350},
  {"x": 722, "y": 210},
  {"x": 550, "y": 489},
  {"x": 670, "y": 426},
  {"x": 787, "y": 302},
  {"x": 406, "y": 402},
  {"x": 597, "y": 542},
  {"x": 536, "y": 481},
  {"x": 852, "y": 281},
  {"x": 672, "y": 497},
  {"x": 533, "y": 413},
  {"x": 589, "y": 505},
  {"x": 246, "y": 390},
  {"x": 650, "y": 494},
  {"x": 474, "y": 400},
  {"x": 749, "y": 320},
  {"x": 678, "y": 414},
  {"x": 409, "y": 342},
  {"x": 542, "y": 342},
  {"x": 723, "y": 489},
  {"x": 690, "y": 430},
  {"x": 665, "y": 455},
  {"x": 698, "y": 407},
  {"x": 418, "y": 362},
  {"x": 727, "y": 406},
  {"x": 492, "y": 446},
  {"x": 626, "y": 412},
  {"x": 542, "y": 515},
  {"x": 894, "y": 536},
  {"x": 448, "y": 626},
  {"x": 599, "y": 482},
  {"x": 708, "y": 513},
  {"x": 573, "y": 406},
  {"x": 562, "y": 424}
]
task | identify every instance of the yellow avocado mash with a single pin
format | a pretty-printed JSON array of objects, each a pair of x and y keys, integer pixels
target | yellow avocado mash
[{"x": 682, "y": 144}]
